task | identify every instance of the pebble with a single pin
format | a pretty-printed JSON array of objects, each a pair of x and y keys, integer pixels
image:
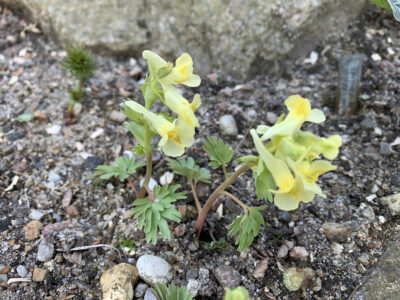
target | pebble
[
  {"x": 381, "y": 219},
  {"x": 66, "y": 201},
  {"x": 117, "y": 116},
  {"x": 140, "y": 289},
  {"x": 12, "y": 137},
  {"x": 5, "y": 224},
  {"x": 228, "y": 276},
  {"x": 55, "y": 129},
  {"x": 385, "y": 149},
  {"x": 72, "y": 211},
  {"x": 59, "y": 226},
  {"x": 180, "y": 230},
  {"x": 20, "y": 167},
  {"x": 77, "y": 109},
  {"x": 260, "y": 269},
  {"x": 166, "y": 178},
  {"x": 283, "y": 251},
  {"x": 118, "y": 282},
  {"x": 367, "y": 124},
  {"x": 336, "y": 232},
  {"x": 3, "y": 278},
  {"x": 45, "y": 250},
  {"x": 32, "y": 230},
  {"x": 98, "y": 132},
  {"x": 39, "y": 274},
  {"x": 284, "y": 216},
  {"x": 337, "y": 248},
  {"x": 149, "y": 295},
  {"x": 22, "y": 271},
  {"x": 271, "y": 117},
  {"x": 227, "y": 125},
  {"x": 298, "y": 253},
  {"x": 393, "y": 203},
  {"x": 369, "y": 213},
  {"x": 92, "y": 162},
  {"x": 36, "y": 214},
  {"x": 193, "y": 286},
  {"x": 153, "y": 269}
]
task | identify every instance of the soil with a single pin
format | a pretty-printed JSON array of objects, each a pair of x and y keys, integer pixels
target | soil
[{"x": 49, "y": 166}]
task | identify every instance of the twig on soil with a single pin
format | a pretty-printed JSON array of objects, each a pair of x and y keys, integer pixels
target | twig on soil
[
  {"x": 358, "y": 286},
  {"x": 242, "y": 140},
  {"x": 12, "y": 280},
  {"x": 90, "y": 247}
]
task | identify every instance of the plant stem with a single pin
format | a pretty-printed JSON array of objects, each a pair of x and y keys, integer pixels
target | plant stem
[
  {"x": 215, "y": 194},
  {"x": 149, "y": 165},
  {"x": 225, "y": 173},
  {"x": 196, "y": 199},
  {"x": 70, "y": 109},
  {"x": 133, "y": 187},
  {"x": 234, "y": 198}
]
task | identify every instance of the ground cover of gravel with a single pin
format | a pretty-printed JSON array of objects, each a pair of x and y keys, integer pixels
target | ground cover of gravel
[{"x": 52, "y": 160}]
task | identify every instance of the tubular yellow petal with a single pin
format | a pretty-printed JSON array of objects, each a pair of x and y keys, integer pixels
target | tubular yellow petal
[
  {"x": 156, "y": 121},
  {"x": 192, "y": 81},
  {"x": 316, "y": 116},
  {"x": 278, "y": 168},
  {"x": 286, "y": 201},
  {"x": 154, "y": 61},
  {"x": 196, "y": 102},
  {"x": 298, "y": 106},
  {"x": 180, "y": 106},
  {"x": 172, "y": 148}
]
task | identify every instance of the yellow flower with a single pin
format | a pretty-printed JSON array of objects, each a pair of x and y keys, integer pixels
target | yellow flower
[
  {"x": 179, "y": 105},
  {"x": 299, "y": 112},
  {"x": 329, "y": 147},
  {"x": 280, "y": 171},
  {"x": 175, "y": 136},
  {"x": 182, "y": 73},
  {"x": 290, "y": 200}
]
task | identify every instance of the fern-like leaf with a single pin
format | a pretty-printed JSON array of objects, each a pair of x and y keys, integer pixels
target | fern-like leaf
[
  {"x": 162, "y": 292},
  {"x": 220, "y": 153},
  {"x": 189, "y": 169},
  {"x": 248, "y": 226},
  {"x": 153, "y": 215},
  {"x": 122, "y": 168}
]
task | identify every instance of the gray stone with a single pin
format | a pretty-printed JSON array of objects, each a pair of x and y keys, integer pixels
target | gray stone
[
  {"x": 298, "y": 253},
  {"x": 227, "y": 125},
  {"x": 22, "y": 271},
  {"x": 283, "y": 251},
  {"x": 140, "y": 289},
  {"x": 242, "y": 38},
  {"x": 117, "y": 116},
  {"x": 45, "y": 250},
  {"x": 153, "y": 269},
  {"x": 369, "y": 213},
  {"x": 193, "y": 286},
  {"x": 385, "y": 149},
  {"x": 228, "y": 276},
  {"x": 92, "y": 162},
  {"x": 336, "y": 232},
  {"x": 149, "y": 295},
  {"x": 393, "y": 203},
  {"x": 367, "y": 124},
  {"x": 384, "y": 281},
  {"x": 36, "y": 214}
]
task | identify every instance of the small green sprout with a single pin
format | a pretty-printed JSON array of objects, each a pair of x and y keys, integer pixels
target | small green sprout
[
  {"x": 172, "y": 292},
  {"x": 25, "y": 117},
  {"x": 126, "y": 243},
  {"x": 238, "y": 293},
  {"x": 81, "y": 65},
  {"x": 220, "y": 244}
]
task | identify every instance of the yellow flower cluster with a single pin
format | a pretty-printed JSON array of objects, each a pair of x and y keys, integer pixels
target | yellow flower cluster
[
  {"x": 179, "y": 133},
  {"x": 292, "y": 156}
]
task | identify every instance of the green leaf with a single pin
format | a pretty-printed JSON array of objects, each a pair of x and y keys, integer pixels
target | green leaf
[
  {"x": 131, "y": 114},
  {"x": 152, "y": 216},
  {"x": 264, "y": 182},
  {"x": 382, "y": 3},
  {"x": 164, "y": 71},
  {"x": 25, "y": 117},
  {"x": 248, "y": 159},
  {"x": 248, "y": 226},
  {"x": 122, "y": 168},
  {"x": 137, "y": 131},
  {"x": 238, "y": 293},
  {"x": 79, "y": 63},
  {"x": 220, "y": 153},
  {"x": 395, "y": 5},
  {"x": 220, "y": 244},
  {"x": 149, "y": 91},
  {"x": 189, "y": 169},
  {"x": 162, "y": 292}
]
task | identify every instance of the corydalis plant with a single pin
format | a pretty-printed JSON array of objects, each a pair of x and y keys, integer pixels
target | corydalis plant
[
  {"x": 81, "y": 65},
  {"x": 389, "y": 5}
]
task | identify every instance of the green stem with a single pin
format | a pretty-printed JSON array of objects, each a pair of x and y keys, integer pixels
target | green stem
[
  {"x": 196, "y": 199},
  {"x": 225, "y": 173},
  {"x": 207, "y": 206},
  {"x": 149, "y": 161},
  {"x": 234, "y": 198},
  {"x": 70, "y": 109}
]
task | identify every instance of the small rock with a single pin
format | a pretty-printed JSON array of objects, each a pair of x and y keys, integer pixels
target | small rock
[
  {"x": 288, "y": 244},
  {"x": 55, "y": 129},
  {"x": 368, "y": 124},
  {"x": 118, "y": 282},
  {"x": 45, "y": 250},
  {"x": 140, "y": 289},
  {"x": 20, "y": 167},
  {"x": 5, "y": 224},
  {"x": 77, "y": 109},
  {"x": 369, "y": 213},
  {"x": 39, "y": 274},
  {"x": 98, "y": 132},
  {"x": 228, "y": 276},
  {"x": 260, "y": 269},
  {"x": 213, "y": 78},
  {"x": 117, "y": 116},
  {"x": 32, "y": 230},
  {"x": 35, "y": 214},
  {"x": 193, "y": 286},
  {"x": 180, "y": 230},
  {"x": 381, "y": 219},
  {"x": 92, "y": 162},
  {"x": 66, "y": 201},
  {"x": 376, "y": 57},
  {"x": 50, "y": 228},
  {"x": 393, "y": 203},
  {"x": 299, "y": 253},
  {"x": 227, "y": 125},
  {"x": 192, "y": 274},
  {"x": 167, "y": 178},
  {"x": 12, "y": 137},
  {"x": 153, "y": 269},
  {"x": 336, "y": 232},
  {"x": 40, "y": 115},
  {"x": 72, "y": 211},
  {"x": 337, "y": 248},
  {"x": 202, "y": 189},
  {"x": 22, "y": 271},
  {"x": 149, "y": 295},
  {"x": 251, "y": 115},
  {"x": 5, "y": 270},
  {"x": 283, "y": 251},
  {"x": 284, "y": 216},
  {"x": 385, "y": 149}
]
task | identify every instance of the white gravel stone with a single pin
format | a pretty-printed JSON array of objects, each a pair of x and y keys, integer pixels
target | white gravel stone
[
  {"x": 153, "y": 269},
  {"x": 117, "y": 116},
  {"x": 45, "y": 250},
  {"x": 55, "y": 129},
  {"x": 149, "y": 295},
  {"x": 227, "y": 125},
  {"x": 22, "y": 271},
  {"x": 36, "y": 214}
]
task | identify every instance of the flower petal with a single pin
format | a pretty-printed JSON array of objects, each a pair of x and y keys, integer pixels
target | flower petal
[
  {"x": 286, "y": 201},
  {"x": 316, "y": 116}
]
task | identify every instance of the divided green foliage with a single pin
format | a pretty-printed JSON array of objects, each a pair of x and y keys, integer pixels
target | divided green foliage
[
  {"x": 79, "y": 63},
  {"x": 220, "y": 153},
  {"x": 264, "y": 182},
  {"x": 122, "y": 169},
  {"x": 77, "y": 94},
  {"x": 189, "y": 169},
  {"x": 238, "y": 293},
  {"x": 126, "y": 243},
  {"x": 382, "y": 3},
  {"x": 248, "y": 226},
  {"x": 162, "y": 292},
  {"x": 220, "y": 244},
  {"x": 152, "y": 216},
  {"x": 131, "y": 114}
]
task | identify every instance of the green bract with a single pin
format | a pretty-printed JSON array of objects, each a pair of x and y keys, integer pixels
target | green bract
[{"x": 162, "y": 292}]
